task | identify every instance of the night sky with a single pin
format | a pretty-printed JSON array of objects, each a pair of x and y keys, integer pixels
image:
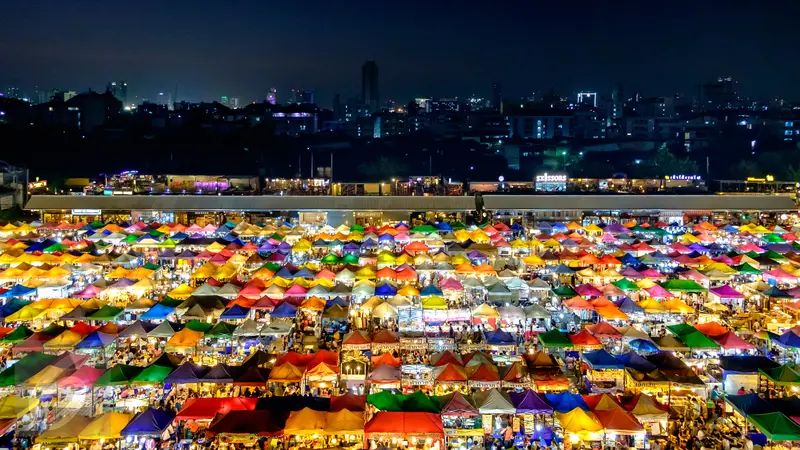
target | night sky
[{"x": 422, "y": 48}]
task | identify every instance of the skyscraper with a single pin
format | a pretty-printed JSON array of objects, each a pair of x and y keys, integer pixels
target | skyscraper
[
  {"x": 119, "y": 89},
  {"x": 272, "y": 95},
  {"x": 369, "y": 85},
  {"x": 497, "y": 95}
]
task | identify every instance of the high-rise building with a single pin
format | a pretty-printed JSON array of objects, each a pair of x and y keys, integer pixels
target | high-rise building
[
  {"x": 617, "y": 102},
  {"x": 231, "y": 102},
  {"x": 720, "y": 94},
  {"x": 338, "y": 111},
  {"x": 164, "y": 98},
  {"x": 370, "y": 94},
  {"x": 497, "y": 95},
  {"x": 272, "y": 95},
  {"x": 12, "y": 92},
  {"x": 587, "y": 99},
  {"x": 119, "y": 89}
]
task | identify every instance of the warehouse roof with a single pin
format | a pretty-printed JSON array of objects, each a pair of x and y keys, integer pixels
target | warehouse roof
[
  {"x": 638, "y": 202},
  {"x": 249, "y": 203}
]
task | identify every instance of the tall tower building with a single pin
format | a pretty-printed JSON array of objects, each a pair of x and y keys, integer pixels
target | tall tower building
[
  {"x": 497, "y": 95},
  {"x": 272, "y": 95},
  {"x": 370, "y": 94},
  {"x": 119, "y": 89}
]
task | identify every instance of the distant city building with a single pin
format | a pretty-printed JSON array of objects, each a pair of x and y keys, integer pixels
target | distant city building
[
  {"x": 443, "y": 105},
  {"x": 164, "y": 98},
  {"x": 63, "y": 96},
  {"x": 370, "y": 95},
  {"x": 540, "y": 127},
  {"x": 389, "y": 124},
  {"x": 587, "y": 99},
  {"x": 119, "y": 89},
  {"x": 231, "y": 102},
  {"x": 617, "y": 102},
  {"x": 303, "y": 97},
  {"x": 497, "y": 95},
  {"x": 719, "y": 95},
  {"x": 272, "y": 96},
  {"x": 12, "y": 92}
]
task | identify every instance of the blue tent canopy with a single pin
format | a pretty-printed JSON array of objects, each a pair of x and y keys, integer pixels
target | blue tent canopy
[
  {"x": 566, "y": 402},
  {"x": 385, "y": 238},
  {"x": 13, "y": 306},
  {"x": 444, "y": 226},
  {"x": 284, "y": 273},
  {"x": 96, "y": 340},
  {"x": 517, "y": 227},
  {"x": 643, "y": 345},
  {"x": 187, "y": 373},
  {"x": 499, "y": 337},
  {"x": 788, "y": 339},
  {"x": 151, "y": 422},
  {"x": 304, "y": 273},
  {"x": 746, "y": 364},
  {"x": 157, "y": 312},
  {"x": 430, "y": 290},
  {"x": 748, "y": 404},
  {"x": 284, "y": 310},
  {"x": 629, "y": 260},
  {"x": 385, "y": 290},
  {"x": 337, "y": 301},
  {"x": 628, "y": 306},
  {"x": 235, "y": 312},
  {"x": 18, "y": 291},
  {"x": 636, "y": 361},
  {"x": 601, "y": 359}
]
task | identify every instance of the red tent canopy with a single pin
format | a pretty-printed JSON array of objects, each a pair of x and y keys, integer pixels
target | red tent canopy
[
  {"x": 386, "y": 358},
  {"x": 618, "y": 421},
  {"x": 732, "y": 341},
  {"x": 604, "y": 330},
  {"x": 350, "y": 402},
  {"x": 485, "y": 373},
  {"x": 207, "y": 408},
  {"x": 711, "y": 329},
  {"x": 83, "y": 377},
  {"x": 583, "y": 337},
  {"x": 405, "y": 423},
  {"x": 260, "y": 423}
]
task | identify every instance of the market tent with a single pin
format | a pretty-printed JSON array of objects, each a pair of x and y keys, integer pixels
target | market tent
[
  {"x": 748, "y": 404},
  {"x": 530, "y": 402},
  {"x": 618, "y": 421},
  {"x": 64, "y": 431},
  {"x": 248, "y": 423},
  {"x": 187, "y": 373},
  {"x": 601, "y": 359},
  {"x": 776, "y": 426},
  {"x": 83, "y": 377},
  {"x": 13, "y": 407},
  {"x": 107, "y": 426},
  {"x": 578, "y": 421},
  {"x": 305, "y": 422},
  {"x": 25, "y": 368},
  {"x": 555, "y": 339},
  {"x": 151, "y": 422},
  {"x": 782, "y": 376},
  {"x": 393, "y": 424},
  {"x": 344, "y": 422},
  {"x": 183, "y": 341},
  {"x": 207, "y": 408},
  {"x": 348, "y": 401},
  {"x": 645, "y": 407},
  {"x": 494, "y": 401}
]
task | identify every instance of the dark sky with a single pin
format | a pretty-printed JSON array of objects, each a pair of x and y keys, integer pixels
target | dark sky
[{"x": 422, "y": 48}]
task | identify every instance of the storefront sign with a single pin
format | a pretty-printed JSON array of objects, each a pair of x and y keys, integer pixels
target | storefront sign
[
  {"x": 86, "y": 212},
  {"x": 37, "y": 184},
  {"x": 551, "y": 178},
  {"x": 684, "y": 177}
]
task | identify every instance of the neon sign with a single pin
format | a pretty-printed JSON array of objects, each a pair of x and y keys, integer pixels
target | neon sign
[{"x": 551, "y": 178}]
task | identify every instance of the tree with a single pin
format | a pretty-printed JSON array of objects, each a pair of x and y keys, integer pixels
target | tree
[{"x": 665, "y": 162}]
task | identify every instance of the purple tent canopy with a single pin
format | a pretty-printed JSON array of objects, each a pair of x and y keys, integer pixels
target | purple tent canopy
[
  {"x": 222, "y": 374},
  {"x": 267, "y": 247},
  {"x": 529, "y": 402},
  {"x": 475, "y": 254},
  {"x": 587, "y": 290},
  {"x": 187, "y": 373},
  {"x": 726, "y": 291},
  {"x": 385, "y": 374},
  {"x": 616, "y": 228},
  {"x": 123, "y": 283},
  {"x": 695, "y": 247},
  {"x": 284, "y": 247},
  {"x": 780, "y": 248}
]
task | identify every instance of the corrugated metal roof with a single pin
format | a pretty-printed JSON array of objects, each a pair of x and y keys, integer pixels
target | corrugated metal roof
[
  {"x": 638, "y": 202},
  {"x": 249, "y": 203}
]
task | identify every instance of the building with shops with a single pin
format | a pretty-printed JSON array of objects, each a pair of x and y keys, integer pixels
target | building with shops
[{"x": 349, "y": 210}]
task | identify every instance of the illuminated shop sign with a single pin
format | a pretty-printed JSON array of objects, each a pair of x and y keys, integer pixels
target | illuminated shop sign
[
  {"x": 551, "y": 178},
  {"x": 86, "y": 212},
  {"x": 684, "y": 177}
]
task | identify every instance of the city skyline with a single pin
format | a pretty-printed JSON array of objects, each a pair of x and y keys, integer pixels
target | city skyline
[{"x": 421, "y": 49}]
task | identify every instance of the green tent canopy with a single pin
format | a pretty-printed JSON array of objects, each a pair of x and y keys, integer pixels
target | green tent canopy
[
  {"x": 152, "y": 266},
  {"x": 53, "y": 330},
  {"x": 131, "y": 239},
  {"x": 386, "y": 401},
  {"x": 357, "y": 228},
  {"x": 152, "y": 374},
  {"x": 458, "y": 225},
  {"x": 419, "y": 402},
  {"x": 107, "y": 313},
  {"x": 25, "y": 368},
  {"x": 625, "y": 284},
  {"x": 17, "y": 336},
  {"x": 331, "y": 258},
  {"x": 682, "y": 286},
  {"x": 424, "y": 229},
  {"x": 220, "y": 330},
  {"x": 119, "y": 375},
  {"x": 747, "y": 268},
  {"x": 698, "y": 341},
  {"x": 564, "y": 291},
  {"x": 782, "y": 376},
  {"x": 555, "y": 339},
  {"x": 350, "y": 259},
  {"x": 271, "y": 266},
  {"x": 168, "y": 243},
  {"x": 772, "y": 238},
  {"x": 171, "y": 302},
  {"x": 56, "y": 248},
  {"x": 776, "y": 426},
  {"x": 202, "y": 327}
]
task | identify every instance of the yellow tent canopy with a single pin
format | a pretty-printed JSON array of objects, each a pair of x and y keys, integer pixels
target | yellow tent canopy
[
  {"x": 64, "y": 341},
  {"x": 205, "y": 271},
  {"x": 64, "y": 431},
  {"x": 45, "y": 377},
  {"x": 408, "y": 291},
  {"x": 184, "y": 341},
  {"x": 13, "y": 407},
  {"x": 484, "y": 311},
  {"x": 533, "y": 260},
  {"x": 118, "y": 273},
  {"x": 651, "y": 305},
  {"x": 344, "y": 422},
  {"x": 434, "y": 302},
  {"x": 286, "y": 373},
  {"x": 181, "y": 292},
  {"x": 677, "y": 305},
  {"x": 579, "y": 421},
  {"x": 26, "y": 314},
  {"x": 306, "y": 421},
  {"x": 107, "y": 426}
]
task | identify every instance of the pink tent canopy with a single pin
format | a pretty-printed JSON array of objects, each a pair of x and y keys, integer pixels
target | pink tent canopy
[
  {"x": 726, "y": 291},
  {"x": 658, "y": 292},
  {"x": 653, "y": 274},
  {"x": 779, "y": 275},
  {"x": 587, "y": 290},
  {"x": 731, "y": 341},
  {"x": 89, "y": 291},
  {"x": 693, "y": 275}
]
